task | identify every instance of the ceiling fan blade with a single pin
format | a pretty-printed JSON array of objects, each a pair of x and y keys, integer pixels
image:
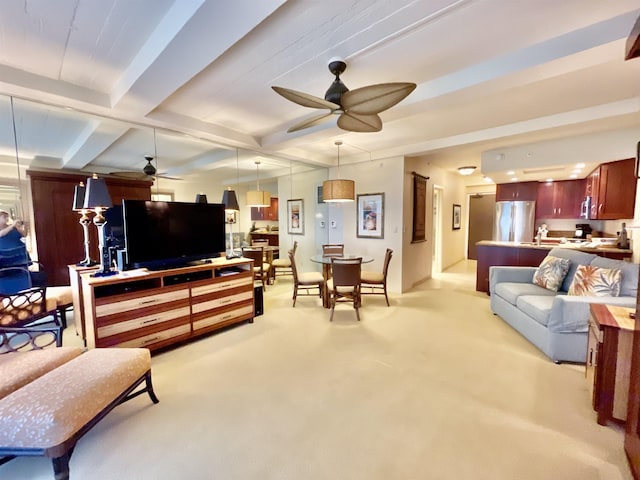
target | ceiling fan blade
[
  {"x": 311, "y": 122},
  {"x": 375, "y": 98},
  {"x": 360, "y": 123},
  {"x": 305, "y": 99}
]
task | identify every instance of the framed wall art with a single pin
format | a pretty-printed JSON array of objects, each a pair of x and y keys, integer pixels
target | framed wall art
[
  {"x": 370, "y": 221},
  {"x": 457, "y": 216},
  {"x": 295, "y": 217}
]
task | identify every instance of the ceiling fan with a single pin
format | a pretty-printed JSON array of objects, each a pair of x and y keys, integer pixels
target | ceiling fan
[
  {"x": 148, "y": 172},
  {"x": 358, "y": 109}
]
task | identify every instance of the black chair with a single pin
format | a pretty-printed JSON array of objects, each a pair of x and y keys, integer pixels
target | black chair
[{"x": 344, "y": 285}]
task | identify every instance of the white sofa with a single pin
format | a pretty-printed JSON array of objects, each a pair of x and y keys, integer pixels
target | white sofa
[{"x": 555, "y": 322}]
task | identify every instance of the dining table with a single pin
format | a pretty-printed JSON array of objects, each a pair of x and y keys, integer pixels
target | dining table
[{"x": 325, "y": 260}]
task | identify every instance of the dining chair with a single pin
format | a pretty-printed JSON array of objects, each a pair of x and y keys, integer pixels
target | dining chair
[
  {"x": 344, "y": 284},
  {"x": 260, "y": 242},
  {"x": 282, "y": 266},
  {"x": 260, "y": 267},
  {"x": 376, "y": 281},
  {"x": 336, "y": 249},
  {"x": 304, "y": 282}
]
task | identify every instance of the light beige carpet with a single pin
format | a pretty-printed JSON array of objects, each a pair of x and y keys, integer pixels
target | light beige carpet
[{"x": 433, "y": 387}]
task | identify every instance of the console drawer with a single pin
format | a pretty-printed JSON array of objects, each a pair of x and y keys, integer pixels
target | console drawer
[
  {"x": 141, "y": 322},
  {"x": 111, "y": 305},
  {"x": 222, "y": 285},
  {"x": 145, "y": 341},
  {"x": 221, "y": 302},
  {"x": 207, "y": 321}
]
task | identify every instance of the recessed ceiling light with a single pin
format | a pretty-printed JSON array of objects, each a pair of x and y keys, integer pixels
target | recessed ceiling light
[
  {"x": 487, "y": 179},
  {"x": 510, "y": 172},
  {"x": 514, "y": 179},
  {"x": 580, "y": 165},
  {"x": 576, "y": 171},
  {"x": 549, "y": 180},
  {"x": 573, "y": 175}
]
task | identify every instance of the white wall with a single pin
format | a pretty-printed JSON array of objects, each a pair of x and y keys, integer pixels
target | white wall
[{"x": 418, "y": 257}]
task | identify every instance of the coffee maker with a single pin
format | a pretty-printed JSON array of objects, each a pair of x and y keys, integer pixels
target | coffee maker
[{"x": 582, "y": 230}]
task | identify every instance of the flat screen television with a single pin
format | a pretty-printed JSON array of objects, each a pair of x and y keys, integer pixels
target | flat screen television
[{"x": 162, "y": 235}]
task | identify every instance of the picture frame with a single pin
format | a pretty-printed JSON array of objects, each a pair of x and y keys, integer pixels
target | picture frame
[
  {"x": 370, "y": 217},
  {"x": 456, "y": 217},
  {"x": 230, "y": 217},
  {"x": 295, "y": 216}
]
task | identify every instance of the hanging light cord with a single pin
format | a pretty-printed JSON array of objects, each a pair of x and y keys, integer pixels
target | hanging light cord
[
  {"x": 258, "y": 175},
  {"x": 15, "y": 144},
  {"x": 338, "y": 143}
]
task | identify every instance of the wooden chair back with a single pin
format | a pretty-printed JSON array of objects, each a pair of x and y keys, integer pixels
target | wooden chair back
[{"x": 333, "y": 249}]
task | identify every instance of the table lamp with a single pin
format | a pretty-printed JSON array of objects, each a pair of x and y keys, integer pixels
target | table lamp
[
  {"x": 97, "y": 198},
  {"x": 230, "y": 202},
  {"x": 78, "y": 206}
]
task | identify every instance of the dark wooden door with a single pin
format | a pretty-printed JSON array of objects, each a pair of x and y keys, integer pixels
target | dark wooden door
[
  {"x": 481, "y": 219},
  {"x": 59, "y": 237}
]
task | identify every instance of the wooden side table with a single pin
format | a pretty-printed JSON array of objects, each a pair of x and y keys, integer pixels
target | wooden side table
[{"x": 609, "y": 360}]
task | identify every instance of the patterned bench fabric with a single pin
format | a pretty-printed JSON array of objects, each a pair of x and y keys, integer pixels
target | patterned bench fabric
[
  {"x": 51, "y": 409},
  {"x": 17, "y": 369}
]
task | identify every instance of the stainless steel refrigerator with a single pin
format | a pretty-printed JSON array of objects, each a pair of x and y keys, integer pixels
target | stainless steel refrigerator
[{"x": 514, "y": 221}]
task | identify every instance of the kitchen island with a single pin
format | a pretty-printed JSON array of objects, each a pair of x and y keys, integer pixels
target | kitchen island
[{"x": 528, "y": 254}]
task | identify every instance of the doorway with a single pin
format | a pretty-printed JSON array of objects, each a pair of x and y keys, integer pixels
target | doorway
[
  {"x": 481, "y": 214},
  {"x": 436, "y": 229}
]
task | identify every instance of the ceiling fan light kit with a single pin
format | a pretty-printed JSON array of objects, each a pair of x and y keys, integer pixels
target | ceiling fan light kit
[{"x": 357, "y": 109}]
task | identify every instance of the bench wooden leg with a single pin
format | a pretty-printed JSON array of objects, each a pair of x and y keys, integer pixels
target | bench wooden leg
[{"x": 61, "y": 465}]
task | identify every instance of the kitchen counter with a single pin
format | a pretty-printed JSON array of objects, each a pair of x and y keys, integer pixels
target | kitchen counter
[
  {"x": 549, "y": 244},
  {"x": 527, "y": 254}
]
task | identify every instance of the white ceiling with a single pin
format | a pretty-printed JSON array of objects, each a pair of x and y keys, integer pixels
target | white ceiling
[{"x": 499, "y": 82}]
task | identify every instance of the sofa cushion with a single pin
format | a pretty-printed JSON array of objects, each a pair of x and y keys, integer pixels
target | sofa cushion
[
  {"x": 537, "y": 307},
  {"x": 593, "y": 281},
  {"x": 551, "y": 272},
  {"x": 577, "y": 258},
  {"x": 629, "y": 285},
  {"x": 511, "y": 291}
]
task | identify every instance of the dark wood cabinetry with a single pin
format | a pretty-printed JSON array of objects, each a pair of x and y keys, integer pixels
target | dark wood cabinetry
[
  {"x": 490, "y": 255},
  {"x": 612, "y": 188},
  {"x": 516, "y": 191},
  {"x": 266, "y": 213},
  {"x": 608, "y": 360},
  {"x": 58, "y": 234},
  {"x": 560, "y": 199}
]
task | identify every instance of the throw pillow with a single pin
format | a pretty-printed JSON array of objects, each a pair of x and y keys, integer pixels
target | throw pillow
[
  {"x": 596, "y": 282},
  {"x": 551, "y": 272}
]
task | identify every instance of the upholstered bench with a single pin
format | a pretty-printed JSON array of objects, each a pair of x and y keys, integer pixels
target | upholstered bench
[
  {"x": 49, "y": 415},
  {"x": 17, "y": 369}
]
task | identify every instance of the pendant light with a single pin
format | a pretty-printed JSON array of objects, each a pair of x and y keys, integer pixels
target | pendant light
[
  {"x": 338, "y": 190},
  {"x": 257, "y": 198}
]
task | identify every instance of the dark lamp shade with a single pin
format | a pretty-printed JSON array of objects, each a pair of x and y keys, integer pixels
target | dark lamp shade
[
  {"x": 230, "y": 200},
  {"x": 97, "y": 194},
  {"x": 78, "y": 197},
  {"x": 201, "y": 198}
]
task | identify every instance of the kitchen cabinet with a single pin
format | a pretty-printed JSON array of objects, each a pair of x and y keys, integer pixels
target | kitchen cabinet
[
  {"x": 612, "y": 188},
  {"x": 516, "y": 191},
  {"x": 560, "y": 199},
  {"x": 608, "y": 360},
  {"x": 269, "y": 213}
]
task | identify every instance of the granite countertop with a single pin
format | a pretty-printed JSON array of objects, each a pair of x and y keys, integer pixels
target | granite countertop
[{"x": 546, "y": 245}]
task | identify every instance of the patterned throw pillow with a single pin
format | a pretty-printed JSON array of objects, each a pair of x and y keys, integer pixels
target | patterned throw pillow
[
  {"x": 551, "y": 272},
  {"x": 596, "y": 282}
]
